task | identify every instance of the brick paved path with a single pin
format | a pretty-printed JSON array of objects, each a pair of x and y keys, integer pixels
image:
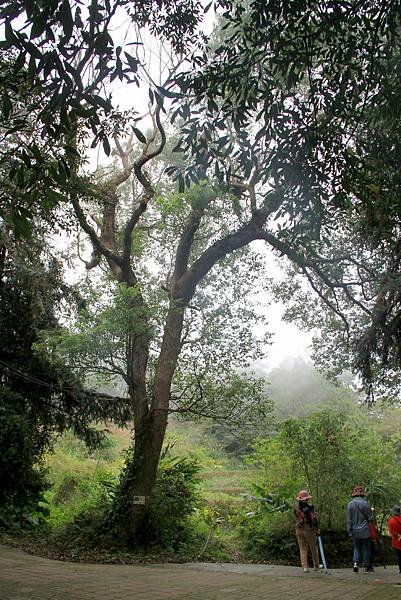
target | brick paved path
[{"x": 26, "y": 577}]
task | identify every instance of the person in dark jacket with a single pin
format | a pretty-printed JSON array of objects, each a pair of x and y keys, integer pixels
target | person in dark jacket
[
  {"x": 359, "y": 514},
  {"x": 306, "y": 529},
  {"x": 394, "y": 528}
]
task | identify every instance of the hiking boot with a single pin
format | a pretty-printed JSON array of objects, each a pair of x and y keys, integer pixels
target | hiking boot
[
  {"x": 306, "y": 569},
  {"x": 318, "y": 568},
  {"x": 366, "y": 570},
  {"x": 355, "y": 568}
]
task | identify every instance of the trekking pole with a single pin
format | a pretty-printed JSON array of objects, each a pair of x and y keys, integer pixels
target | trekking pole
[{"x": 322, "y": 556}]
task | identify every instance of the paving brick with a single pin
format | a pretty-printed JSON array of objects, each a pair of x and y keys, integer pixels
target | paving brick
[{"x": 26, "y": 577}]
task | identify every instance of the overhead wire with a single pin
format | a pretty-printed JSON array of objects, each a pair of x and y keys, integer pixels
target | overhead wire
[{"x": 34, "y": 379}]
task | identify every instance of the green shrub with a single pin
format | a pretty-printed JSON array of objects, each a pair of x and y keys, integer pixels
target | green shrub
[
  {"x": 79, "y": 505},
  {"x": 174, "y": 498},
  {"x": 69, "y": 444},
  {"x": 269, "y": 537},
  {"x": 326, "y": 453}
]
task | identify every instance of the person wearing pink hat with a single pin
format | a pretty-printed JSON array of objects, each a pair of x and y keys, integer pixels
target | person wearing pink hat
[
  {"x": 306, "y": 529},
  {"x": 359, "y": 515}
]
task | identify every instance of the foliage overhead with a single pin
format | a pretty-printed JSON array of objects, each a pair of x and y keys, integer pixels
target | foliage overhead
[
  {"x": 59, "y": 61},
  {"x": 302, "y": 101}
]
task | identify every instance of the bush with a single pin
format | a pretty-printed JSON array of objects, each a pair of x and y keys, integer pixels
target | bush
[
  {"x": 270, "y": 537},
  {"x": 80, "y": 503},
  {"x": 326, "y": 453},
  {"x": 174, "y": 499}
]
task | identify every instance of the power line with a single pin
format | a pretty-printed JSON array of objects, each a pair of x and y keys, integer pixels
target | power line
[
  {"x": 58, "y": 388},
  {"x": 34, "y": 379}
]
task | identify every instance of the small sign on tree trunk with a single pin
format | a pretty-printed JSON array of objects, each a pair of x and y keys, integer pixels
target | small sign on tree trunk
[{"x": 139, "y": 500}]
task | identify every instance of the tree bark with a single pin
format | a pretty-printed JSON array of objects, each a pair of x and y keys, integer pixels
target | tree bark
[{"x": 149, "y": 427}]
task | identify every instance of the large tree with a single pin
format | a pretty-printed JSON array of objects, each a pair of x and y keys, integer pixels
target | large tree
[{"x": 198, "y": 238}]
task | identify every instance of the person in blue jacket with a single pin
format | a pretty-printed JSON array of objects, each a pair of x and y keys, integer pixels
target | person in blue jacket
[{"x": 359, "y": 514}]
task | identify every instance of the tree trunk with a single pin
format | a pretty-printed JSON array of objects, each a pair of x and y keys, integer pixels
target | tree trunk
[
  {"x": 139, "y": 477},
  {"x": 140, "y": 473}
]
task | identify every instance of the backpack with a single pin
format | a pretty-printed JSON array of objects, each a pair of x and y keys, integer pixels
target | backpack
[{"x": 306, "y": 517}]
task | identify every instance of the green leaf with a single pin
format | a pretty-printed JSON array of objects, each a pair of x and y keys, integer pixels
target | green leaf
[
  {"x": 29, "y": 6},
  {"x": 54, "y": 196},
  {"x": 32, "y": 49},
  {"x": 20, "y": 177},
  {"x": 168, "y": 93},
  {"x": 38, "y": 27},
  {"x": 22, "y": 227},
  {"x": 7, "y": 106},
  {"x": 132, "y": 62},
  {"x": 159, "y": 99},
  {"x": 98, "y": 100},
  {"x": 9, "y": 33},
  {"x": 71, "y": 150},
  {"x": 66, "y": 19},
  {"x": 139, "y": 135},
  {"x": 106, "y": 146}
]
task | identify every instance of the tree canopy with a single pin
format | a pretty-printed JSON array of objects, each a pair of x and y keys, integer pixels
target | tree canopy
[
  {"x": 302, "y": 102},
  {"x": 59, "y": 61}
]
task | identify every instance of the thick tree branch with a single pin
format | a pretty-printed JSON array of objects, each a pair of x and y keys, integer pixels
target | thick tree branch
[
  {"x": 186, "y": 241},
  {"x": 121, "y": 177},
  {"x": 96, "y": 241},
  {"x": 186, "y": 286}
]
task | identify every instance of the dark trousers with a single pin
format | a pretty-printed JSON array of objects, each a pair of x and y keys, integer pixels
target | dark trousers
[
  {"x": 372, "y": 553},
  {"x": 362, "y": 551},
  {"x": 398, "y": 553}
]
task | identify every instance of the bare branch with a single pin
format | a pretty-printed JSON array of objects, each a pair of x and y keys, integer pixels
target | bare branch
[
  {"x": 304, "y": 263},
  {"x": 96, "y": 241},
  {"x": 121, "y": 177},
  {"x": 149, "y": 191}
]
